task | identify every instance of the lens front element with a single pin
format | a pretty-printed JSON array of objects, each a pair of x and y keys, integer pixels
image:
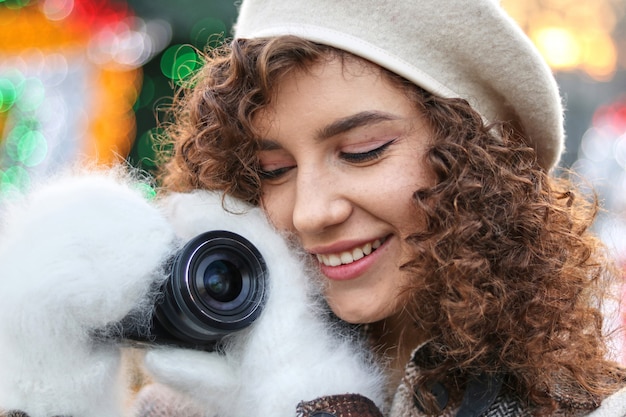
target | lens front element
[
  {"x": 218, "y": 285},
  {"x": 222, "y": 281}
]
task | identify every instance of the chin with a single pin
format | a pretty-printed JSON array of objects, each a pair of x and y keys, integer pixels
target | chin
[
  {"x": 356, "y": 316},
  {"x": 367, "y": 305}
]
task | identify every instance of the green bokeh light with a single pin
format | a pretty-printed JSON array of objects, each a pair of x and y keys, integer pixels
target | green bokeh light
[
  {"x": 13, "y": 181},
  {"x": 147, "y": 190},
  {"x": 179, "y": 62},
  {"x": 14, "y": 4},
  {"x": 8, "y": 94},
  {"x": 26, "y": 145},
  {"x": 208, "y": 32},
  {"x": 148, "y": 90},
  {"x": 146, "y": 151}
]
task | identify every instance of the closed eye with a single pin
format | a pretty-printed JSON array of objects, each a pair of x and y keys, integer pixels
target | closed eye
[
  {"x": 274, "y": 173},
  {"x": 360, "y": 157}
]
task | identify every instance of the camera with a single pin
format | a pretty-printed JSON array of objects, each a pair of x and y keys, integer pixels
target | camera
[{"x": 217, "y": 284}]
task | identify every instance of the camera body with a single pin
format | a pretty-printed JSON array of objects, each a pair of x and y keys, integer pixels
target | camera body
[{"x": 217, "y": 284}]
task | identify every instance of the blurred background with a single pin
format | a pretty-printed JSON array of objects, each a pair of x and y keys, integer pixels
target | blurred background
[
  {"x": 90, "y": 78},
  {"x": 86, "y": 78}
]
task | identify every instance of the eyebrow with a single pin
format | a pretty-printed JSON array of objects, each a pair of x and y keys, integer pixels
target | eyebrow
[
  {"x": 345, "y": 124},
  {"x": 353, "y": 121}
]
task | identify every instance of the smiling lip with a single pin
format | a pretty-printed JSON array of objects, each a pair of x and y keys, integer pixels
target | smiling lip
[{"x": 352, "y": 263}]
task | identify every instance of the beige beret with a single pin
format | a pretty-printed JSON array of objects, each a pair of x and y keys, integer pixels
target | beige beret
[{"x": 453, "y": 48}]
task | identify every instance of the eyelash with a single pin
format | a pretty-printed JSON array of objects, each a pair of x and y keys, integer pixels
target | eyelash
[
  {"x": 273, "y": 174},
  {"x": 359, "y": 157}
]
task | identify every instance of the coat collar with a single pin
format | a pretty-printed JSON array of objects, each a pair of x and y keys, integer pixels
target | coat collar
[{"x": 484, "y": 395}]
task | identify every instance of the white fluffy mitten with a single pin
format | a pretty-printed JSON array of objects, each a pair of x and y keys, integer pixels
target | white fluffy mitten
[
  {"x": 291, "y": 353},
  {"x": 76, "y": 255}
]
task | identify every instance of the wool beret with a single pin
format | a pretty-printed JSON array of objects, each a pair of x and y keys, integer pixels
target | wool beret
[{"x": 453, "y": 48}]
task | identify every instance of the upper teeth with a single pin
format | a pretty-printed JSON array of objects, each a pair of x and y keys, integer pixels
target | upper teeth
[{"x": 348, "y": 257}]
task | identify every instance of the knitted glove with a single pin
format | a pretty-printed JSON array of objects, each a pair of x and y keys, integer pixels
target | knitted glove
[
  {"x": 289, "y": 354},
  {"x": 76, "y": 255}
]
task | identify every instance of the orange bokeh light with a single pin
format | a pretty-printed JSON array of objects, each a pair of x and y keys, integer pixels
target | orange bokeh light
[{"x": 572, "y": 34}]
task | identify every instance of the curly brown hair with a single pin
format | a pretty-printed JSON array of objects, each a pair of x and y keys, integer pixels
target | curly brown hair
[
  {"x": 212, "y": 118},
  {"x": 507, "y": 278}
]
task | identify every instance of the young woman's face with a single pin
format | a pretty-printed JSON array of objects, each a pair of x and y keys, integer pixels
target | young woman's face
[{"x": 343, "y": 152}]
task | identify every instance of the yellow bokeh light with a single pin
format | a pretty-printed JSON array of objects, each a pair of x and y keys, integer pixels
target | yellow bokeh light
[
  {"x": 600, "y": 60},
  {"x": 572, "y": 34},
  {"x": 559, "y": 46}
]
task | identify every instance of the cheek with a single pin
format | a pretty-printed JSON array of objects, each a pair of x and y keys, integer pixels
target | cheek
[{"x": 278, "y": 210}]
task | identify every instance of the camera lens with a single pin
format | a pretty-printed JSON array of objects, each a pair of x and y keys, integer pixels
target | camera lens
[
  {"x": 222, "y": 278},
  {"x": 218, "y": 285},
  {"x": 223, "y": 281}
]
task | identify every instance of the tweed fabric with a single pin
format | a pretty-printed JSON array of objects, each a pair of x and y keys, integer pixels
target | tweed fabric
[
  {"x": 505, "y": 406},
  {"x": 348, "y": 405},
  {"x": 452, "y": 48},
  {"x": 572, "y": 402}
]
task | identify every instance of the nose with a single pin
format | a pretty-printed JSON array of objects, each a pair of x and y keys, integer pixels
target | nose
[{"x": 321, "y": 202}]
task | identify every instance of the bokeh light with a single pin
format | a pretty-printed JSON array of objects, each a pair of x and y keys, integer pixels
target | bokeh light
[
  {"x": 180, "y": 62},
  {"x": 209, "y": 32},
  {"x": 146, "y": 148},
  {"x": 559, "y": 47},
  {"x": 14, "y": 4},
  {"x": 26, "y": 144},
  {"x": 13, "y": 181},
  {"x": 70, "y": 75},
  {"x": 573, "y": 34},
  {"x": 57, "y": 9},
  {"x": 8, "y": 94}
]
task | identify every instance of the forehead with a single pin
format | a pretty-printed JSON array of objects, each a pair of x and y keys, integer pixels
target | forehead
[
  {"x": 336, "y": 68},
  {"x": 333, "y": 88}
]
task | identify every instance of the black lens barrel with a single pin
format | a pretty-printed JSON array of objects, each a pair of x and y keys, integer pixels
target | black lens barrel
[{"x": 217, "y": 286}]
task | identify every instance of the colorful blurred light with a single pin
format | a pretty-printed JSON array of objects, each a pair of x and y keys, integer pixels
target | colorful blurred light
[
  {"x": 26, "y": 145},
  {"x": 559, "y": 47},
  {"x": 70, "y": 74},
  {"x": 572, "y": 34},
  {"x": 208, "y": 32},
  {"x": 179, "y": 62},
  {"x": 8, "y": 95}
]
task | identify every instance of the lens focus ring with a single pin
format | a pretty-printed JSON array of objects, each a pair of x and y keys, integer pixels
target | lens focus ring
[{"x": 218, "y": 285}]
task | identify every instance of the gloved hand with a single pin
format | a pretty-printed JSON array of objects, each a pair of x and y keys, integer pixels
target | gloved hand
[
  {"x": 76, "y": 255},
  {"x": 290, "y": 354}
]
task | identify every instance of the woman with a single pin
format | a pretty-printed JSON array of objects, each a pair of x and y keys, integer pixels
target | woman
[{"x": 407, "y": 146}]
